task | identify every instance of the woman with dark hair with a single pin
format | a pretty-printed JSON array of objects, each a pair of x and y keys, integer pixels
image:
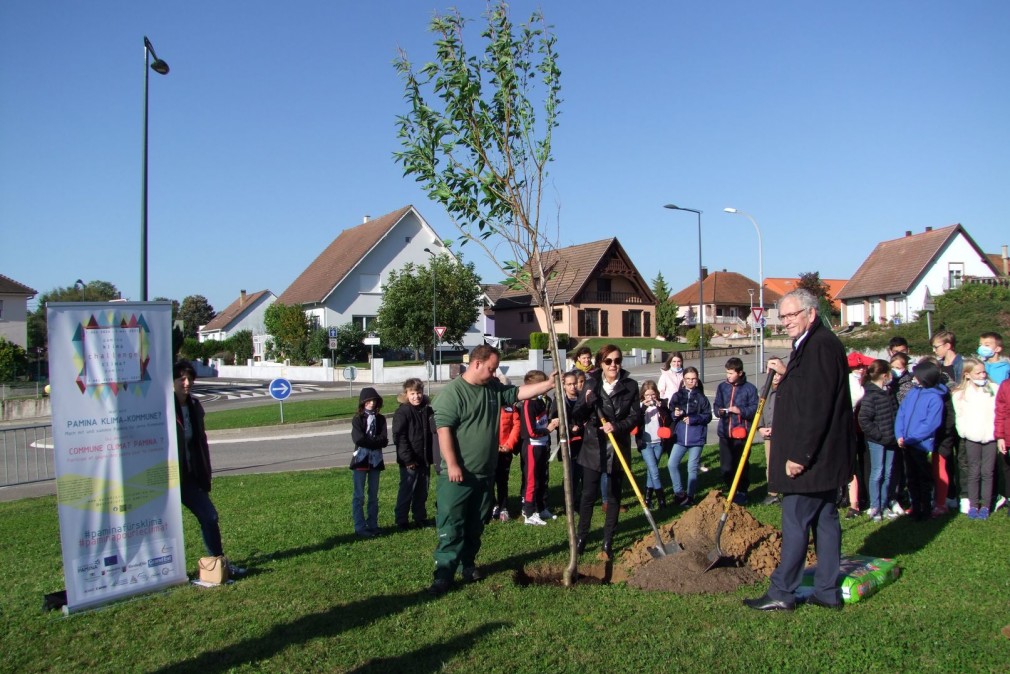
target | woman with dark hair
[
  {"x": 919, "y": 416},
  {"x": 608, "y": 404}
]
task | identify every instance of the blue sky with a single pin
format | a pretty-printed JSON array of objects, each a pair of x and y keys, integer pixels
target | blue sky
[{"x": 836, "y": 125}]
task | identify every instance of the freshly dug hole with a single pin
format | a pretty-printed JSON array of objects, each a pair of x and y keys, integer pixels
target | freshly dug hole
[{"x": 552, "y": 574}]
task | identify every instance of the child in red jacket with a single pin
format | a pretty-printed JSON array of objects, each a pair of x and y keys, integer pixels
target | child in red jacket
[{"x": 508, "y": 444}]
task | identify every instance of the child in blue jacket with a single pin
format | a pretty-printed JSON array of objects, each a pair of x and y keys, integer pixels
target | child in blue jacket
[
  {"x": 736, "y": 402},
  {"x": 692, "y": 413},
  {"x": 919, "y": 416}
]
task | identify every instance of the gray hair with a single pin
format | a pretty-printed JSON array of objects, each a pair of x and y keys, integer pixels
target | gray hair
[{"x": 806, "y": 299}]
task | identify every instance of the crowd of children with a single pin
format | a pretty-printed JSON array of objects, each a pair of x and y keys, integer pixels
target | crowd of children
[{"x": 933, "y": 437}]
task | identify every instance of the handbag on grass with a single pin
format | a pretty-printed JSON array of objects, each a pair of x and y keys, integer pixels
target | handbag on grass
[{"x": 214, "y": 569}]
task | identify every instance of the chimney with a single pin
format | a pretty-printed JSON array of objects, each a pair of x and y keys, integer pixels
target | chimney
[
  {"x": 929, "y": 229},
  {"x": 241, "y": 299},
  {"x": 1006, "y": 262},
  {"x": 908, "y": 232},
  {"x": 366, "y": 218},
  {"x": 704, "y": 273}
]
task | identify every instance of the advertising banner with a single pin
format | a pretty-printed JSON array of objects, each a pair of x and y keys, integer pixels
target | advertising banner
[{"x": 114, "y": 437}]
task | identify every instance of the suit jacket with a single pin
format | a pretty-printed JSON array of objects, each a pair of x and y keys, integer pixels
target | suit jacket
[{"x": 813, "y": 424}]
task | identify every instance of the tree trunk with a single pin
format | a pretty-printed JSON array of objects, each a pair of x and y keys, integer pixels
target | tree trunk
[{"x": 572, "y": 570}]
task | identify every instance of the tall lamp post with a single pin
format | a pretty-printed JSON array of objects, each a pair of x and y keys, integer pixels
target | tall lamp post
[
  {"x": 761, "y": 280},
  {"x": 434, "y": 322},
  {"x": 161, "y": 68},
  {"x": 701, "y": 295}
]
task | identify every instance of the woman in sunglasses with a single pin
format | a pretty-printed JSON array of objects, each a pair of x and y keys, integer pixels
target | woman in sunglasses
[{"x": 609, "y": 403}]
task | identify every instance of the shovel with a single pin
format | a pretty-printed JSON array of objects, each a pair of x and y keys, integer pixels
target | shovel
[
  {"x": 717, "y": 557},
  {"x": 662, "y": 549}
]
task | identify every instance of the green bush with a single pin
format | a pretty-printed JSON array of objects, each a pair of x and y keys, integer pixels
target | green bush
[
  {"x": 692, "y": 336},
  {"x": 540, "y": 340},
  {"x": 192, "y": 349}
]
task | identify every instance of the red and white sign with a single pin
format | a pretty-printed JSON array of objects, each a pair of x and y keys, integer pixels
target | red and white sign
[
  {"x": 440, "y": 332},
  {"x": 758, "y": 312}
]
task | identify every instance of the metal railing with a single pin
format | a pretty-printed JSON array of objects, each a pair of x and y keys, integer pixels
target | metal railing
[{"x": 27, "y": 454}]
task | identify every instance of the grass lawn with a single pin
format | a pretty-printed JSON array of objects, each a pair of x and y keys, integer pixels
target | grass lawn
[
  {"x": 318, "y": 599},
  {"x": 303, "y": 411}
]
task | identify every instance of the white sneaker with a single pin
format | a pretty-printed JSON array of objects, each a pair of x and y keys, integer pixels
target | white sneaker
[
  {"x": 1000, "y": 502},
  {"x": 965, "y": 506},
  {"x": 890, "y": 514},
  {"x": 494, "y": 512},
  {"x": 503, "y": 516},
  {"x": 546, "y": 515},
  {"x": 873, "y": 513},
  {"x": 896, "y": 509},
  {"x": 534, "y": 520}
]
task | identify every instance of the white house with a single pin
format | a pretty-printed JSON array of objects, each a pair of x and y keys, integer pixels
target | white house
[
  {"x": 344, "y": 283},
  {"x": 14, "y": 298},
  {"x": 893, "y": 282},
  {"x": 245, "y": 313}
]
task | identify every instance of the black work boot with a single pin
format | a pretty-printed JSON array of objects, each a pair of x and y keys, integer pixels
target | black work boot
[
  {"x": 580, "y": 545},
  {"x": 608, "y": 551},
  {"x": 661, "y": 497},
  {"x": 649, "y": 497}
]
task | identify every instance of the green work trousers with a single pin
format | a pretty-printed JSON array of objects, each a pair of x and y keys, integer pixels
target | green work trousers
[{"x": 462, "y": 509}]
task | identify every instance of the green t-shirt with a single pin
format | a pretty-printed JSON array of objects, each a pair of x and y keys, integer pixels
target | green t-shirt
[{"x": 473, "y": 414}]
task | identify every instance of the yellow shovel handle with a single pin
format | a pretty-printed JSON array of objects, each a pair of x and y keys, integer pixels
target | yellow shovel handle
[{"x": 627, "y": 469}]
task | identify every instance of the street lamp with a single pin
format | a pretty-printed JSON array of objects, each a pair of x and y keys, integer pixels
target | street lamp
[
  {"x": 701, "y": 295},
  {"x": 161, "y": 68},
  {"x": 761, "y": 281},
  {"x": 757, "y": 356},
  {"x": 434, "y": 323}
]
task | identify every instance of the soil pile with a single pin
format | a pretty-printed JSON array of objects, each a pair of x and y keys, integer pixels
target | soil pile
[{"x": 752, "y": 548}]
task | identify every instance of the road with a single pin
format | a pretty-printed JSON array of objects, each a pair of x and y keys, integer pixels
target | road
[{"x": 310, "y": 446}]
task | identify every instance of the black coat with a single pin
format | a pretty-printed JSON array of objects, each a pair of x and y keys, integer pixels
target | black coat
[
  {"x": 813, "y": 423},
  {"x": 877, "y": 410},
  {"x": 412, "y": 434},
  {"x": 623, "y": 409},
  {"x": 194, "y": 466}
]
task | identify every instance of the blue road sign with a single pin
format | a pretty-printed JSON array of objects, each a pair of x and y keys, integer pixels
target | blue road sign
[
  {"x": 280, "y": 389},
  {"x": 332, "y": 333}
]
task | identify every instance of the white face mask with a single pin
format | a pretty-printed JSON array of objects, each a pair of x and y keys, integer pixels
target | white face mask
[
  {"x": 897, "y": 373},
  {"x": 678, "y": 370},
  {"x": 980, "y": 382}
]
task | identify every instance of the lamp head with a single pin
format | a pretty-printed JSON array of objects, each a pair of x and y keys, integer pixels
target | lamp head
[
  {"x": 730, "y": 210},
  {"x": 159, "y": 67}
]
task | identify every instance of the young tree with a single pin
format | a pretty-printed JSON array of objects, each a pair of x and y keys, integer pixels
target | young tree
[
  {"x": 194, "y": 312},
  {"x": 666, "y": 310},
  {"x": 811, "y": 281},
  {"x": 405, "y": 315},
  {"x": 13, "y": 360},
  {"x": 290, "y": 328},
  {"x": 350, "y": 343},
  {"x": 478, "y": 136}
]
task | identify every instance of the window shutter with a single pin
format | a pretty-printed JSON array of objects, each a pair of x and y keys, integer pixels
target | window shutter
[
  {"x": 604, "y": 328},
  {"x": 648, "y": 324},
  {"x": 625, "y": 323},
  {"x": 582, "y": 322}
]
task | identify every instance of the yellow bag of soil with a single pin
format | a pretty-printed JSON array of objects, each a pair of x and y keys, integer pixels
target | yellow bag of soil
[{"x": 859, "y": 577}]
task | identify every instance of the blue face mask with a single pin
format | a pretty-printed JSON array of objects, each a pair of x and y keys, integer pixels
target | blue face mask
[
  {"x": 985, "y": 352},
  {"x": 897, "y": 373},
  {"x": 678, "y": 370}
]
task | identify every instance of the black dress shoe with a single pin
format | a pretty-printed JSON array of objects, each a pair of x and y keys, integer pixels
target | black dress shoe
[
  {"x": 766, "y": 603},
  {"x": 823, "y": 604},
  {"x": 472, "y": 575}
]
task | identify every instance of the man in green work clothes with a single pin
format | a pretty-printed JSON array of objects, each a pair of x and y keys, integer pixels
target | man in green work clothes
[{"x": 466, "y": 416}]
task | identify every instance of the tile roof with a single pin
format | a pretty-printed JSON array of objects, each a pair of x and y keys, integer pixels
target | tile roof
[
  {"x": 225, "y": 318},
  {"x": 725, "y": 287},
  {"x": 9, "y": 286},
  {"x": 996, "y": 260},
  {"x": 785, "y": 285},
  {"x": 574, "y": 267},
  {"x": 894, "y": 266},
  {"x": 338, "y": 259},
  {"x": 493, "y": 291}
]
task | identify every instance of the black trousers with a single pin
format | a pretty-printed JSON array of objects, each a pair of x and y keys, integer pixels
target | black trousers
[
  {"x": 590, "y": 491},
  {"x": 730, "y": 453},
  {"x": 801, "y": 514}
]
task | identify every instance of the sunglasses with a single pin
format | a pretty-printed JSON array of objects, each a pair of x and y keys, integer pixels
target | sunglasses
[{"x": 612, "y": 361}]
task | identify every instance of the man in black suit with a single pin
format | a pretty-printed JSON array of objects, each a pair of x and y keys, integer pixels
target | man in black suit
[{"x": 812, "y": 455}]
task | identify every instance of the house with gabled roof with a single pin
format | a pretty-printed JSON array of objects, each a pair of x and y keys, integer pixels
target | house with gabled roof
[
  {"x": 245, "y": 313},
  {"x": 596, "y": 290},
  {"x": 728, "y": 300},
  {"x": 344, "y": 282},
  {"x": 895, "y": 281},
  {"x": 14, "y": 298},
  {"x": 783, "y": 285}
]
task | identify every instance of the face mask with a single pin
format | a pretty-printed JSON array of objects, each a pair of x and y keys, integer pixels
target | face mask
[
  {"x": 678, "y": 370},
  {"x": 980, "y": 382},
  {"x": 985, "y": 352},
  {"x": 897, "y": 373}
]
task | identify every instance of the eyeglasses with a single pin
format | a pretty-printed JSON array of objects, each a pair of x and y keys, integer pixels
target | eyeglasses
[
  {"x": 791, "y": 315},
  {"x": 937, "y": 346},
  {"x": 612, "y": 361}
]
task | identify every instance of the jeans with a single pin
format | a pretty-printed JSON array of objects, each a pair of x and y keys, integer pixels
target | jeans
[
  {"x": 412, "y": 495},
  {"x": 651, "y": 453},
  {"x": 693, "y": 461},
  {"x": 199, "y": 503},
  {"x": 881, "y": 462},
  {"x": 361, "y": 524}
]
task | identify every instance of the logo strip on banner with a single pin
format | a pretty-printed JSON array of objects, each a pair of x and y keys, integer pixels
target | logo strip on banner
[{"x": 116, "y": 459}]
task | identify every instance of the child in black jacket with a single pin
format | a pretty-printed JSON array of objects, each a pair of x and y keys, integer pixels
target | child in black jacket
[
  {"x": 368, "y": 431},
  {"x": 412, "y": 434}
]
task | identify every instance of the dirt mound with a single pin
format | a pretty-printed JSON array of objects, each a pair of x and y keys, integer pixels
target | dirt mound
[{"x": 753, "y": 549}]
